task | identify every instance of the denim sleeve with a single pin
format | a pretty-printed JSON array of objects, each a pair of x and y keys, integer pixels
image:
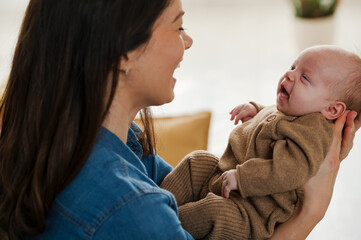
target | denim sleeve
[
  {"x": 156, "y": 167},
  {"x": 150, "y": 216}
]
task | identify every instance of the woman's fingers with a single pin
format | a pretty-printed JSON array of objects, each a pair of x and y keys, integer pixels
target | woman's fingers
[
  {"x": 334, "y": 153},
  {"x": 358, "y": 122},
  {"x": 350, "y": 127},
  {"x": 340, "y": 123}
]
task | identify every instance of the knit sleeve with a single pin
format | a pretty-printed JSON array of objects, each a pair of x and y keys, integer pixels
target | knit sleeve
[
  {"x": 298, "y": 150},
  {"x": 258, "y": 107}
]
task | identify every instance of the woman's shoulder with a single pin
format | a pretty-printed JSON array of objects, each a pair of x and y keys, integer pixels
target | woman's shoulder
[
  {"x": 104, "y": 212},
  {"x": 109, "y": 176},
  {"x": 106, "y": 186}
]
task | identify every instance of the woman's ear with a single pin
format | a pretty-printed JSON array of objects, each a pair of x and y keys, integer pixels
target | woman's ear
[
  {"x": 124, "y": 64},
  {"x": 128, "y": 61},
  {"x": 334, "y": 110}
]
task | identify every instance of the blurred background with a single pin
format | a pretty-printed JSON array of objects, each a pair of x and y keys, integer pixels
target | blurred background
[{"x": 241, "y": 48}]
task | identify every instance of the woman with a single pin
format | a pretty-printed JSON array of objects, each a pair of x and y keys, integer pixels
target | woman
[{"x": 73, "y": 165}]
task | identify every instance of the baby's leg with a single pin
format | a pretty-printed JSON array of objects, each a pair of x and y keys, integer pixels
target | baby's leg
[
  {"x": 215, "y": 217},
  {"x": 189, "y": 180}
]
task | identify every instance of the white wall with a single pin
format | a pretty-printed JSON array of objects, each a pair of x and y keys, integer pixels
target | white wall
[
  {"x": 11, "y": 14},
  {"x": 241, "y": 48}
]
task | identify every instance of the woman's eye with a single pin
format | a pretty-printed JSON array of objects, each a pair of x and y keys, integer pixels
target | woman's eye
[
  {"x": 305, "y": 77},
  {"x": 181, "y": 29},
  {"x": 292, "y": 68}
]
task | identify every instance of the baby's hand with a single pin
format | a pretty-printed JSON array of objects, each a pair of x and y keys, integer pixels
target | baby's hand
[
  {"x": 243, "y": 112},
  {"x": 229, "y": 182}
]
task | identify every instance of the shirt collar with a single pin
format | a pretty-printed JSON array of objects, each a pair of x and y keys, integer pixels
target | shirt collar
[
  {"x": 133, "y": 140},
  {"x": 112, "y": 141}
]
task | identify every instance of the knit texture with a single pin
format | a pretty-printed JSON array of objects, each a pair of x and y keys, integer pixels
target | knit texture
[
  {"x": 274, "y": 155},
  {"x": 202, "y": 213}
]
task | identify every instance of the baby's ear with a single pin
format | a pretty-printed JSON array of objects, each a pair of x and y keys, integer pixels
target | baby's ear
[{"x": 334, "y": 110}]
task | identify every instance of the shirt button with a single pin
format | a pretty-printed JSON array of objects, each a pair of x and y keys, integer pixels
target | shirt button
[{"x": 271, "y": 118}]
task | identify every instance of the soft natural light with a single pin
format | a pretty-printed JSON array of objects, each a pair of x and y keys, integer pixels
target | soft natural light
[{"x": 241, "y": 48}]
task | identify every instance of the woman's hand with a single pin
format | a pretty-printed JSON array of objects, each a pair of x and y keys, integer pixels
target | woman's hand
[
  {"x": 353, "y": 123},
  {"x": 318, "y": 190}
]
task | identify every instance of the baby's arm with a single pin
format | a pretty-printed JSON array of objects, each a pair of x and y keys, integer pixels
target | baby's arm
[
  {"x": 299, "y": 148},
  {"x": 243, "y": 112},
  {"x": 318, "y": 190}
]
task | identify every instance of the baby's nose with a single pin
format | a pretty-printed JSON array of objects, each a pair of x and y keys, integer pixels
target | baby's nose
[{"x": 290, "y": 75}]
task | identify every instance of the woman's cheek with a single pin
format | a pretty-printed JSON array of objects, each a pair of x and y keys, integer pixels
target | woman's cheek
[{"x": 182, "y": 48}]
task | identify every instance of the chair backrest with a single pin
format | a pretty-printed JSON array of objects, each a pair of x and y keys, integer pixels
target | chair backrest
[{"x": 179, "y": 135}]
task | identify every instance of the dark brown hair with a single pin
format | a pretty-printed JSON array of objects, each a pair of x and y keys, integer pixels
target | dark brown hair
[{"x": 57, "y": 97}]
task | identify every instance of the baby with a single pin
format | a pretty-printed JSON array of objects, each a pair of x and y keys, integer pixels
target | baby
[{"x": 256, "y": 184}]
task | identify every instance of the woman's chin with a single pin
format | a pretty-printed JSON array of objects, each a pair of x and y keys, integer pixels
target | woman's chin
[
  {"x": 165, "y": 100},
  {"x": 171, "y": 98}
]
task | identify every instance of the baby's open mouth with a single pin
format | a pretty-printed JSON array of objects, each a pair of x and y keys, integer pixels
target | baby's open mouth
[{"x": 283, "y": 93}]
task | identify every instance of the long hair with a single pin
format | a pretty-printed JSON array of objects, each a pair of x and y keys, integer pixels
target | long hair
[{"x": 58, "y": 96}]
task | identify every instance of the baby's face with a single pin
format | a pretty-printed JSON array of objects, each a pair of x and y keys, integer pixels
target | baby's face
[{"x": 305, "y": 87}]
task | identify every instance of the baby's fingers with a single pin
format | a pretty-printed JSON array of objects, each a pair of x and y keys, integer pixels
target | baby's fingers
[
  {"x": 235, "y": 112},
  {"x": 246, "y": 119},
  {"x": 241, "y": 117},
  {"x": 238, "y": 118},
  {"x": 225, "y": 189}
]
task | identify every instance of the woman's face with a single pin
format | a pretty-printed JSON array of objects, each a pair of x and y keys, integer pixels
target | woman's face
[{"x": 152, "y": 66}]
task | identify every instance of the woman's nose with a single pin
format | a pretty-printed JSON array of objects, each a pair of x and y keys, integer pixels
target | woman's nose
[{"x": 188, "y": 41}]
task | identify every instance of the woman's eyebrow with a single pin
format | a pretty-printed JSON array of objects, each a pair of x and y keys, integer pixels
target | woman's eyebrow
[{"x": 178, "y": 16}]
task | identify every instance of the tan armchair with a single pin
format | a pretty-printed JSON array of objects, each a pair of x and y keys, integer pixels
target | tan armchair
[{"x": 177, "y": 136}]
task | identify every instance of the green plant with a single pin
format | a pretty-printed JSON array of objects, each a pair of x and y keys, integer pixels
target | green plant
[{"x": 314, "y": 8}]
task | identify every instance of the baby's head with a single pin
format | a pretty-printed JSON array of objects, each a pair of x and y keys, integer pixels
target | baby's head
[{"x": 324, "y": 79}]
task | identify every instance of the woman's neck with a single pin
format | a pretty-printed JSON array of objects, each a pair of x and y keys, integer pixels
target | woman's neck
[{"x": 119, "y": 119}]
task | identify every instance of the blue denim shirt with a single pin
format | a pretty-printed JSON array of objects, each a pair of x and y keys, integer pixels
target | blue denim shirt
[{"x": 116, "y": 196}]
